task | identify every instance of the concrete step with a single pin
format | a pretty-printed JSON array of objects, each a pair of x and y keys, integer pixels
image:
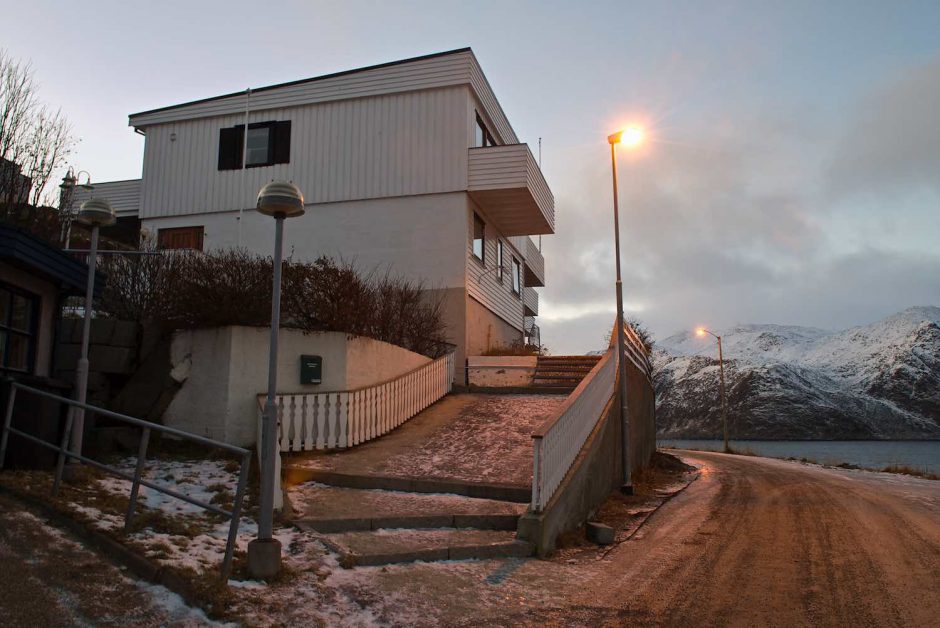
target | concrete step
[
  {"x": 332, "y": 509},
  {"x": 483, "y": 490},
  {"x": 553, "y": 375},
  {"x": 385, "y": 547}
]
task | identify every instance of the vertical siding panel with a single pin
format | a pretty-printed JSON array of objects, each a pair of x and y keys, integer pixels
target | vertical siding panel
[{"x": 388, "y": 145}]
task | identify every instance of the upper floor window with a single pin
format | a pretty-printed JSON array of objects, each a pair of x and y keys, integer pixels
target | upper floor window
[
  {"x": 18, "y": 316},
  {"x": 268, "y": 144},
  {"x": 516, "y": 276},
  {"x": 181, "y": 238},
  {"x": 481, "y": 135},
  {"x": 479, "y": 238},
  {"x": 499, "y": 260}
]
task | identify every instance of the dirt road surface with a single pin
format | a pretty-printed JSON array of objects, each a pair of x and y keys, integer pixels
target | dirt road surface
[
  {"x": 761, "y": 542},
  {"x": 47, "y": 578}
]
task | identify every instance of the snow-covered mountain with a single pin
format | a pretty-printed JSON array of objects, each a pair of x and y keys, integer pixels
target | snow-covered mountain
[{"x": 876, "y": 381}]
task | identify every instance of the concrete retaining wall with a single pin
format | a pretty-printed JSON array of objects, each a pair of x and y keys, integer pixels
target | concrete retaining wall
[
  {"x": 500, "y": 371},
  {"x": 221, "y": 371},
  {"x": 598, "y": 470},
  {"x": 113, "y": 354}
]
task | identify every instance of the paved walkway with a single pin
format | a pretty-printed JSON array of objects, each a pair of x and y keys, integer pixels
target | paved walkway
[{"x": 463, "y": 437}]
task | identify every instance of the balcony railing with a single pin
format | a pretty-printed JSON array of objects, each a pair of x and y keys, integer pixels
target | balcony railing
[
  {"x": 507, "y": 182},
  {"x": 530, "y": 301}
]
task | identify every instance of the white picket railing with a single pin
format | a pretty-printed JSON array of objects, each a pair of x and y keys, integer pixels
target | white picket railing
[
  {"x": 558, "y": 441},
  {"x": 332, "y": 420}
]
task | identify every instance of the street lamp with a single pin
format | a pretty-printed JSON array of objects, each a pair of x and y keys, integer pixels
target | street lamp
[
  {"x": 67, "y": 188},
  {"x": 96, "y": 213},
  {"x": 629, "y": 137},
  {"x": 701, "y": 331},
  {"x": 280, "y": 200}
]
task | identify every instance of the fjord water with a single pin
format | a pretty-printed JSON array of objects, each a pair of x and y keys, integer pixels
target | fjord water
[{"x": 868, "y": 454}]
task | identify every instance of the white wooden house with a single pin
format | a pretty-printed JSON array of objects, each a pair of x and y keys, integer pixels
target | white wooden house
[{"x": 410, "y": 165}]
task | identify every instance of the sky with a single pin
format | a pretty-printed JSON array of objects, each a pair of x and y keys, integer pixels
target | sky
[{"x": 791, "y": 173}]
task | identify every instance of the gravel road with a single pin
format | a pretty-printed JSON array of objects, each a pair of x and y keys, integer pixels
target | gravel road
[{"x": 761, "y": 542}]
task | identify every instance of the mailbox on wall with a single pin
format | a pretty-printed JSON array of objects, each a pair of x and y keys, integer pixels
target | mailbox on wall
[{"x": 311, "y": 369}]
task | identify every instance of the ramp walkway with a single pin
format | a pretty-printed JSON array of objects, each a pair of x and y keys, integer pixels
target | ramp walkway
[{"x": 449, "y": 484}]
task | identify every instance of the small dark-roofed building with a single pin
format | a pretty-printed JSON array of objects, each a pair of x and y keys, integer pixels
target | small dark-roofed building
[{"x": 34, "y": 278}]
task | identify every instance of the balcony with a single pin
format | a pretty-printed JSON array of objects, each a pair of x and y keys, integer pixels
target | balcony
[
  {"x": 530, "y": 301},
  {"x": 507, "y": 183},
  {"x": 534, "y": 262}
]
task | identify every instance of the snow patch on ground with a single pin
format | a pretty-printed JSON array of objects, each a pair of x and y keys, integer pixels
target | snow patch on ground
[
  {"x": 491, "y": 441},
  {"x": 177, "y": 611},
  {"x": 202, "y": 480}
]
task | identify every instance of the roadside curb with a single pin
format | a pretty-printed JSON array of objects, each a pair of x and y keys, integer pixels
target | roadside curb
[
  {"x": 649, "y": 515},
  {"x": 112, "y": 550},
  {"x": 498, "y": 492}
]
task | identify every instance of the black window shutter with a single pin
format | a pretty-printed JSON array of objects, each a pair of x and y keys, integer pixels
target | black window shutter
[
  {"x": 282, "y": 142},
  {"x": 230, "y": 147}
]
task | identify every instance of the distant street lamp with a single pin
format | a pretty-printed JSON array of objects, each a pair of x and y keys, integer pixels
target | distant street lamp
[
  {"x": 280, "y": 200},
  {"x": 701, "y": 331},
  {"x": 629, "y": 137},
  {"x": 96, "y": 213}
]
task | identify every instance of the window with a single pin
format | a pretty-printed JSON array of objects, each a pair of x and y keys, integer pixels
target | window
[
  {"x": 268, "y": 144},
  {"x": 479, "y": 238},
  {"x": 18, "y": 315},
  {"x": 499, "y": 260},
  {"x": 259, "y": 146},
  {"x": 482, "y": 136},
  {"x": 516, "y": 276},
  {"x": 181, "y": 238}
]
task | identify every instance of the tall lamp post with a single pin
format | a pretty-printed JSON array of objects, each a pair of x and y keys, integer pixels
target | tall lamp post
[
  {"x": 280, "y": 200},
  {"x": 96, "y": 213},
  {"x": 701, "y": 331},
  {"x": 630, "y": 137}
]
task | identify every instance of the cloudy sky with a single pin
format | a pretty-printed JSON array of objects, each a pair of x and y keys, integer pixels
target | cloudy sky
[{"x": 792, "y": 174}]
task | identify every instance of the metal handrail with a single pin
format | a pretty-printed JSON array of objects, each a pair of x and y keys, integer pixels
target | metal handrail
[{"x": 136, "y": 480}]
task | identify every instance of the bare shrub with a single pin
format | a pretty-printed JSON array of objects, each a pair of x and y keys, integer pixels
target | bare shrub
[
  {"x": 516, "y": 347},
  {"x": 187, "y": 290}
]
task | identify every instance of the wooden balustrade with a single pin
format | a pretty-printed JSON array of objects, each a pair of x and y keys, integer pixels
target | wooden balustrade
[{"x": 333, "y": 420}]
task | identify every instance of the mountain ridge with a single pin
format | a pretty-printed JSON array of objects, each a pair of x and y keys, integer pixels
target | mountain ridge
[{"x": 875, "y": 381}]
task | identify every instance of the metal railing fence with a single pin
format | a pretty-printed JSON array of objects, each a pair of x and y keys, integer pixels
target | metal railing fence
[{"x": 136, "y": 479}]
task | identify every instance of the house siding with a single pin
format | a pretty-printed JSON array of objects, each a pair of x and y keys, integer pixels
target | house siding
[
  {"x": 386, "y": 146},
  {"x": 420, "y": 237},
  {"x": 483, "y": 282}
]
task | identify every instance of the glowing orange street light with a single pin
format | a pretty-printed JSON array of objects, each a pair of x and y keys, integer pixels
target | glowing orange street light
[{"x": 701, "y": 331}]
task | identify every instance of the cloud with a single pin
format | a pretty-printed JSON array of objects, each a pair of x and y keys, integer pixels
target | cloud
[
  {"x": 892, "y": 140},
  {"x": 735, "y": 223}
]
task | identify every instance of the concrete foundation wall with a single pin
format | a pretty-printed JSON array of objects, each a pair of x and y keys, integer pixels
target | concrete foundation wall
[
  {"x": 501, "y": 370},
  {"x": 223, "y": 370},
  {"x": 598, "y": 470},
  {"x": 486, "y": 330}
]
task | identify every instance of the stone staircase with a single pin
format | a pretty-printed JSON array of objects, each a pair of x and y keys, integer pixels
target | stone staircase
[
  {"x": 368, "y": 527},
  {"x": 563, "y": 372}
]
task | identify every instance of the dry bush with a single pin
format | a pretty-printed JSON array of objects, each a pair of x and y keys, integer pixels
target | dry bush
[
  {"x": 187, "y": 290},
  {"x": 516, "y": 348}
]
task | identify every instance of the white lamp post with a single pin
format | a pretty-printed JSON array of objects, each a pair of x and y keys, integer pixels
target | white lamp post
[
  {"x": 280, "y": 200},
  {"x": 97, "y": 213}
]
